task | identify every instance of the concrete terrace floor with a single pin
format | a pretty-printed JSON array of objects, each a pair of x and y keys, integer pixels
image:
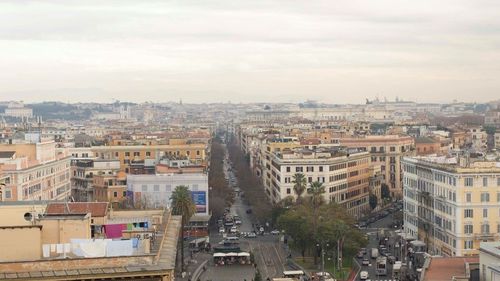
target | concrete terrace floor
[{"x": 228, "y": 273}]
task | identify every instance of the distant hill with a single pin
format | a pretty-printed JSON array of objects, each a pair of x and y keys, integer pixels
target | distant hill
[{"x": 58, "y": 110}]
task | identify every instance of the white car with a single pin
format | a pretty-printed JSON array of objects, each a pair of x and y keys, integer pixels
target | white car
[
  {"x": 363, "y": 275},
  {"x": 275, "y": 232},
  {"x": 222, "y": 230},
  {"x": 251, "y": 235},
  {"x": 234, "y": 229}
]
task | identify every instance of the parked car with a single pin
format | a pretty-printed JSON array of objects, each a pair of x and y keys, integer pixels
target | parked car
[
  {"x": 360, "y": 255},
  {"x": 222, "y": 230},
  {"x": 251, "y": 235},
  {"x": 365, "y": 261},
  {"x": 391, "y": 259},
  {"x": 363, "y": 275},
  {"x": 275, "y": 232},
  {"x": 234, "y": 229}
]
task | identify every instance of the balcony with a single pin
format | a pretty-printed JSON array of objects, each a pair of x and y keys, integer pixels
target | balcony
[{"x": 485, "y": 236}]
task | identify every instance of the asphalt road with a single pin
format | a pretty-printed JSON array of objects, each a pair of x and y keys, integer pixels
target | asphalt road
[
  {"x": 269, "y": 253},
  {"x": 374, "y": 232}
]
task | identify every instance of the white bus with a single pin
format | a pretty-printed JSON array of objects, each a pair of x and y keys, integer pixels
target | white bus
[
  {"x": 381, "y": 266},
  {"x": 293, "y": 274}
]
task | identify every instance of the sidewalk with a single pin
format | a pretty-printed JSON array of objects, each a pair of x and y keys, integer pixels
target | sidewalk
[{"x": 193, "y": 264}]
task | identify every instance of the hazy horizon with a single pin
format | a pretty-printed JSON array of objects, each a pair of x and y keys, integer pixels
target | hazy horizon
[{"x": 334, "y": 52}]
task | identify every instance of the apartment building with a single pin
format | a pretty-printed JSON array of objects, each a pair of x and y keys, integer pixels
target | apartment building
[
  {"x": 387, "y": 152},
  {"x": 156, "y": 190},
  {"x": 35, "y": 171},
  {"x": 130, "y": 154},
  {"x": 82, "y": 173},
  {"x": 110, "y": 188},
  {"x": 451, "y": 204},
  {"x": 345, "y": 175},
  {"x": 497, "y": 139}
]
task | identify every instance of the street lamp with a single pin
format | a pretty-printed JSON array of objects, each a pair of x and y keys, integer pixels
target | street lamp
[{"x": 322, "y": 247}]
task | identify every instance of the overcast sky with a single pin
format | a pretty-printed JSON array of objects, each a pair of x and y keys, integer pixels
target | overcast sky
[{"x": 241, "y": 51}]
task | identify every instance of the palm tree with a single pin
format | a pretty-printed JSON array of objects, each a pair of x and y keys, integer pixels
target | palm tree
[
  {"x": 182, "y": 204},
  {"x": 316, "y": 191},
  {"x": 299, "y": 185}
]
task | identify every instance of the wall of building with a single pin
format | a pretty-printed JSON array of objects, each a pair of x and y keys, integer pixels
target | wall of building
[
  {"x": 20, "y": 243},
  {"x": 14, "y": 214},
  {"x": 61, "y": 230},
  {"x": 155, "y": 190}
]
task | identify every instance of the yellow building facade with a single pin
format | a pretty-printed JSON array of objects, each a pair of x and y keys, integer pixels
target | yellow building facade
[{"x": 452, "y": 207}]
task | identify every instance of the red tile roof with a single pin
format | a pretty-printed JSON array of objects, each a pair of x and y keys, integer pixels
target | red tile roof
[
  {"x": 443, "y": 269},
  {"x": 96, "y": 209}
]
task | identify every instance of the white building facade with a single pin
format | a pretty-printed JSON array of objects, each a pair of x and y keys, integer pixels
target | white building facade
[{"x": 156, "y": 190}]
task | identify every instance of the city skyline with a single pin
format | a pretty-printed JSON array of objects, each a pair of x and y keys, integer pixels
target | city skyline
[{"x": 249, "y": 52}]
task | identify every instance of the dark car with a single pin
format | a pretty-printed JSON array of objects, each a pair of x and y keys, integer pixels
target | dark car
[
  {"x": 360, "y": 255},
  {"x": 249, "y": 211},
  {"x": 391, "y": 259}
]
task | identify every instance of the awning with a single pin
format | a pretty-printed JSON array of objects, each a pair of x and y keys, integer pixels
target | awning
[
  {"x": 219, "y": 255},
  {"x": 231, "y": 254},
  {"x": 243, "y": 254},
  {"x": 200, "y": 218}
]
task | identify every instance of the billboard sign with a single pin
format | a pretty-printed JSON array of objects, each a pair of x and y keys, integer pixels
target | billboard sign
[{"x": 200, "y": 200}]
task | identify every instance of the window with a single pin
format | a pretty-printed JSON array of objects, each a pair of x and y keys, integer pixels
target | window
[
  {"x": 468, "y": 181},
  {"x": 321, "y": 168},
  {"x": 468, "y": 213},
  {"x": 392, "y": 149},
  {"x": 309, "y": 179},
  {"x": 197, "y": 152},
  {"x": 124, "y": 194},
  {"x": 485, "y": 213},
  {"x": 485, "y": 197},
  {"x": 485, "y": 228},
  {"x": 137, "y": 153},
  {"x": 115, "y": 194},
  {"x": 468, "y": 244},
  {"x": 8, "y": 193},
  {"x": 288, "y": 169},
  {"x": 498, "y": 181},
  {"x": 468, "y": 229},
  {"x": 310, "y": 169},
  {"x": 299, "y": 169},
  {"x": 485, "y": 181},
  {"x": 127, "y": 153},
  {"x": 144, "y": 187},
  {"x": 287, "y": 180},
  {"x": 148, "y": 153},
  {"x": 288, "y": 191},
  {"x": 373, "y": 149},
  {"x": 468, "y": 197},
  {"x": 156, "y": 188}
]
